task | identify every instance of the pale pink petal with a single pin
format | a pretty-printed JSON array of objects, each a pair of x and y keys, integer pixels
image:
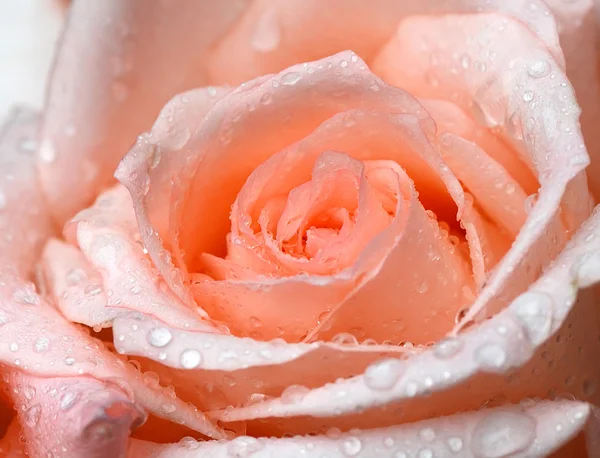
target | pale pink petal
[
  {"x": 73, "y": 417},
  {"x": 528, "y": 431},
  {"x": 118, "y": 64},
  {"x": 578, "y": 31},
  {"x": 525, "y": 94},
  {"x": 24, "y": 219},
  {"x": 106, "y": 233},
  {"x": 510, "y": 355},
  {"x": 43, "y": 343},
  {"x": 215, "y": 371},
  {"x": 274, "y": 34}
]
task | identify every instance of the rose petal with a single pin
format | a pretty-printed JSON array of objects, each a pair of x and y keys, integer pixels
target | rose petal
[
  {"x": 544, "y": 129},
  {"x": 11, "y": 445},
  {"x": 94, "y": 111},
  {"x": 73, "y": 417},
  {"x": 272, "y": 34},
  {"x": 577, "y": 24},
  {"x": 209, "y": 166},
  {"x": 107, "y": 232},
  {"x": 43, "y": 343},
  {"x": 519, "y": 431},
  {"x": 515, "y": 341},
  {"x": 24, "y": 219},
  {"x": 229, "y": 370}
]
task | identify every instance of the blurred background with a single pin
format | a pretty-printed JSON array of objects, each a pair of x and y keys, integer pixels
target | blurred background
[{"x": 29, "y": 31}]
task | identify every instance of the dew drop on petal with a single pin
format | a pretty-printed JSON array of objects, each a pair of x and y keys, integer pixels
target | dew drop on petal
[
  {"x": 491, "y": 357},
  {"x": 68, "y": 400},
  {"x": 291, "y": 78},
  {"x": 190, "y": 359},
  {"x": 455, "y": 444},
  {"x": 502, "y": 433},
  {"x": 32, "y": 415},
  {"x": 447, "y": 348},
  {"x": 351, "y": 446},
  {"x": 293, "y": 394},
  {"x": 41, "y": 344},
  {"x": 539, "y": 69},
  {"x": 159, "y": 337},
  {"x": 534, "y": 311},
  {"x": 383, "y": 375}
]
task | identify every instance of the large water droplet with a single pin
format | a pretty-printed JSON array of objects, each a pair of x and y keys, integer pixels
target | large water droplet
[
  {"x": 159, "y": 337},
  {"x": 32, "y": 416},
  {"x": 447, "y": 348},
  {"x": 539, "y": 69},
  {"x": 502, "y": 433},
  {"x": 267, "y": 31},
  {"x": 291, "y": 78},
  {"x": 41, "y": 344},
  {"x": 383, "y": 375},
  {"x": 190, "y": 359},
  {"x": 455, "y": 444},
  {"x": 68, "y": 400},
  {"x": 352, "y": 446},
  {"x": 534, "y": 311},
  {"x": 491, "y": 357},
  {"x": 293, "y": 394}
]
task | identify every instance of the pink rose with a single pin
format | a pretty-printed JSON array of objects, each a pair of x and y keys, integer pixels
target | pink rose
[{"x": 383, "y": 252}]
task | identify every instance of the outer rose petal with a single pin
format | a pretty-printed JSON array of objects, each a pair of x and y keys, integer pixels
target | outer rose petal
[
  {"x": 118, "y": 64},
  {"x": 73, "y": 417},
  {"x": 272, "y": 34},
  {"x": 545, "y": 130},
  {"x": 578, "y": 30},
  {"x": 21, "y": 200},
  {"x": 464, "y": 372},
  {"x": 530, "y": 431}
]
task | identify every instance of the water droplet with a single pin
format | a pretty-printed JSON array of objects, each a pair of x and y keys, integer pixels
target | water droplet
[
  {"x": 243, "y": 447},
  {"x": 267, "y": 31},
  {"x": 159, "y": 337},
  {"x": 447, "y": 348},
  {"x": 169, "y": 408},
  {"x": 534, "y": 311},
  {"x": 29, "y": 392},
  {"x": 502, "y": 433},
  {"x": 93, "y": 289},
  {"x": 585, "y": 269},
  {"x": 41, "y": 344},
  {"x": 68, "y": 400},
  {"x": 383, "y": 375},
  {"x": 589, "y": 387},
  {"x": 29, "y": 145},
  {"x": 14, "y": 346},
  {"x": 344, "y": 338},
  {"x": 528, "y": 96},
  {"x": 75, "y": 276},
  {"x": 530, "y": 202},
  {"x": 423, "y": 287},
  {"x": 294, "y": 394},
  {"x": 491, "y": 357},
  {"x": 26, "y": 295},
  {"x": 291, "y": 78},
  {"x": 425, "y": 453},
  {"x": 69, "y": 360},
  {"x": 343, "y": 63},
  {"x": 539, "y": 69},
  {"x": 47, "y": 152},
  {"x": 190, "y": 359},
  {"x": 455, "y": 444},
  {"x": 32, "y": 416},
  {"x": 352, "y": 446},
  {"x": 427, "y": 434}
]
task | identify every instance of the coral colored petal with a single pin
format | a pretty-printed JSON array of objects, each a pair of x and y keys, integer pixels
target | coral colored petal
[
  {"x": 106, "y": 233},
  {"x": 11, "y": 444},
  {"x": 118, "y": 64},
  {"x": 24, "y": 219},
  {"x": 506, "y": 93},
  {"x": 530, "y": 431},
  {"x": 73, "y": 417},
  {"x": 516, "y": 341},
  {"x": 272, "y": 34}
]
